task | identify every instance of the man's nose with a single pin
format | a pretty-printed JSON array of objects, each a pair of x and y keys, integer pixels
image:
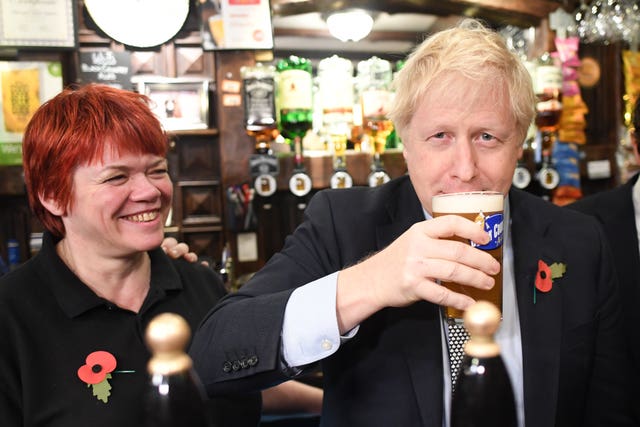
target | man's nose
[{"x": 465, "y": 161}]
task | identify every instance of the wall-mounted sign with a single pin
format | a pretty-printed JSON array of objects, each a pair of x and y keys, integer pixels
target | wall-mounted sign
[
  {"x": 24, "y": 86},
  {"x": 106, "y": 67},
  {"x": 37, "y": 23},
  {"x": 236, "y": 24}
]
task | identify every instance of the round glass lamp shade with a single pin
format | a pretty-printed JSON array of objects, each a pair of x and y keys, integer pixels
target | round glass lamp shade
[{"x": 349, "y": 25}]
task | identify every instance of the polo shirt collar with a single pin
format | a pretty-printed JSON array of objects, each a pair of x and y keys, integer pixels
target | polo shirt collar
[{"x": 76, "y": 298}]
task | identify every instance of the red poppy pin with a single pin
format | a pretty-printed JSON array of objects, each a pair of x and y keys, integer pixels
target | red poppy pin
[
  {"x": 97, "y": 372},
  {"x": 546, "y": 274}
]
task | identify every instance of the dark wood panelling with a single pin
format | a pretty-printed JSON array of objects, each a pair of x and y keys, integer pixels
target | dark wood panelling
[{"x": 194, "y": 161}]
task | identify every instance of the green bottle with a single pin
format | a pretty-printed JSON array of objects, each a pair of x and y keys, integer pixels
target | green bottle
[{"x": 294, "y": 97}]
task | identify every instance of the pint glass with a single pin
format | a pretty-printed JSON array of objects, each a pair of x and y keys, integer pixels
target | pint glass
[{"x": 485, "y": 208}]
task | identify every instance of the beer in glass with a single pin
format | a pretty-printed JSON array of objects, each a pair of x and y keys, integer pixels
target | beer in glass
[{"x": 485, "y": 208}]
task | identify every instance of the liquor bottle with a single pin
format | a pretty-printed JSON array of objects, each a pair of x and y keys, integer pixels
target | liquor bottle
[
  {"x": 294, "y": 97},
  {"x": 374, "y": 76},
  {"x": 548, "y": 88},
  {"x": 393, "y": 140},
  {"x": 335, "y": 90},
  {"x": 483, "y": 396},
  {"x": 258, "y": 96},
  {"x": 174, "y": 396}
]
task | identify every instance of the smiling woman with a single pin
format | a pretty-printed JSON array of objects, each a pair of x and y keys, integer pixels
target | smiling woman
[
  {"x": 97, "y": 178},
  {"x": 74, "y": 130}
]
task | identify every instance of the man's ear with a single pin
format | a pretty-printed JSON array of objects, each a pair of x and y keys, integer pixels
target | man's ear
[{"x": 51, "y": 205}]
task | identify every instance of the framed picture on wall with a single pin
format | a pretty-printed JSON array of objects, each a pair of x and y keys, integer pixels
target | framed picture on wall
[
  {"x": 235, "y": 24},
  {"x": 180, "y": 103},
  {"x": 38, "y": 24},
  {"x": 24, "y": 86}
]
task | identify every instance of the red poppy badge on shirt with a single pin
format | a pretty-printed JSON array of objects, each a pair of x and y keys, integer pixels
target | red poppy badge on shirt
[
  {"x": 545, "y": 275},
  {"x": 97, "y": 372}
]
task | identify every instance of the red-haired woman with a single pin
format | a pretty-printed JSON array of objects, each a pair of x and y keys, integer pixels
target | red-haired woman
[{"x": 72, "y": 318}]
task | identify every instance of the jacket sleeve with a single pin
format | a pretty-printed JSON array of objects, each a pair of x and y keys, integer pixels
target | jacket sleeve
[
  {"x": 237, "y": 347},
  {"x": 608, "y": 401}
]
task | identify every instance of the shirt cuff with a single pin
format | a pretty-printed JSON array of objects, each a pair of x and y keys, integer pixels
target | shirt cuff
[{"x": 310, "y": 329}]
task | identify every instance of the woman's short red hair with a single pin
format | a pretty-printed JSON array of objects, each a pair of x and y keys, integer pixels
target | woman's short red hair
[{"x": 75, "y": 128}]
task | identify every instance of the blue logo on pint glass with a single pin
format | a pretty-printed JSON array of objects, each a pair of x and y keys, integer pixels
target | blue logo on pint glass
[{"x": 493, "y": 224}]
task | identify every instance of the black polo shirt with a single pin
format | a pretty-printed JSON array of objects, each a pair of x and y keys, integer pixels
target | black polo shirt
[{"x": 50, "y": 322}]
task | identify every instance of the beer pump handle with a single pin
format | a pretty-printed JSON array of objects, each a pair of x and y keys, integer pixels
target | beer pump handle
[
  {"x": 483, "y": 396},
  {"x": 174, "y": 396}
]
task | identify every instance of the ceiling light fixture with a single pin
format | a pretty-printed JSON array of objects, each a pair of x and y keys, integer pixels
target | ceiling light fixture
[{"x": 351, "y": 24}]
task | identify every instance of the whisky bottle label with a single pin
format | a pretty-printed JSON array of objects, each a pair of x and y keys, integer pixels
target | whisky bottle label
[
  {"x": 259, "y": 102},
  {"x": 295, "y": 90}
]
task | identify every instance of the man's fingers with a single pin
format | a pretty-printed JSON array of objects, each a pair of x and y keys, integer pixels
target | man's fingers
[
  {"x": 168, "y": 243},
  {"x": 446, "y": 255},
  {"x": 191, "y": 257},
  {"x": 178, "y": 251},
  {"x": 442, "y": 296},
  {"x": 453, "y": 225},
  {"x": 450, "y": 271}
]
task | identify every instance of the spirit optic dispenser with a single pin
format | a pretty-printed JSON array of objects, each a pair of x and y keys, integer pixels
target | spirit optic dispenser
[
  {"x": 548, "y": 87},
  {"x": 258, "y": 94},
  {"x": 294, "y": 97},
  {"x": 374, "y": 78},
  {"x": 336, "y": 92}
]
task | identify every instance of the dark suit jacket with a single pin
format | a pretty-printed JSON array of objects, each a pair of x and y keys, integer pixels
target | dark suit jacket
[
  {"x": 614, "y": 210},
  {"x": 391, "y": 373}
]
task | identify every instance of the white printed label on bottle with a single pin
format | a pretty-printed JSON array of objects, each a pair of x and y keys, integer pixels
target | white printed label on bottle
[
  {"x": 376, "y": 103},
  {"x": 548, "y": 77},
  {"x": 295, "y": 90}
]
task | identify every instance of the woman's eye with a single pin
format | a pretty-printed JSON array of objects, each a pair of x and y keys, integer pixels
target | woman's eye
[
  {"x": 439, "y": 135},
  {"x": 115, "y": 178},
  {"x": 160, "y": 171}
]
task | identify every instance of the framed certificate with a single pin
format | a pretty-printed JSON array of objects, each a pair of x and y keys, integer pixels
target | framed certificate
[{"x": 38, "y": 24}]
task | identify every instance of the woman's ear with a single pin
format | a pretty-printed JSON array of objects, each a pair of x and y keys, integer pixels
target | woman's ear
[{"x": 51, "y": 205}]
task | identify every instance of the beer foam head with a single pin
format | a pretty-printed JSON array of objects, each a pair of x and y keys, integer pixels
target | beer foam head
[{"x": 468, "y": 202}]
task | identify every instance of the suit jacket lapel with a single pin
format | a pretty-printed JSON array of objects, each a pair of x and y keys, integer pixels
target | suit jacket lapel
[
  {"x": 423, "y": 358},
  {"x": 540, "y": 314}
]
